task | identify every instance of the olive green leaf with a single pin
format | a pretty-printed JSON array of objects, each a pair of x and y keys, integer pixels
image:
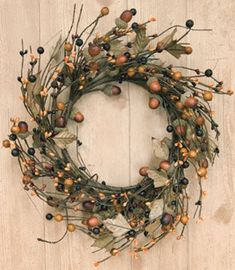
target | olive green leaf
[
  {"x": 168, "y": 39},
  {"x": 175, "y": 49},
  {"x": 160, "y": 148},
  {"x": 64, "y": 138},
  {"x": 141, "y": 41},
  {"x": 104, "y": 241}
]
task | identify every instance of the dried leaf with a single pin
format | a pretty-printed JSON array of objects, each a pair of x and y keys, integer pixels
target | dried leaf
[
  {"x": 104, "y": 241},
  {"x": 156, "y": 209},
  {"x": 153, "y": 226},
  {"x": 175, "y": 49},
  {"x": 64, "y": 138},
  {"x": 116, "y": 47},
  {"x": 118, "y": 226},
  {"x": 158, "y": 177},
  {"x": 141, "y": 41},
  {"x": 160, "y": 148},
  {"x": 168, "y": 39}
]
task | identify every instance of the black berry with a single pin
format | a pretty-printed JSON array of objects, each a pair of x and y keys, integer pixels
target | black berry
[
  {"x": 133, "y": 11},
  {"x": 199, "y": 132},
  {"x": 40, "y": 50},
  {"x": 184, "y": 181},
  {"x": 49, "y": 216},
  {"x": 166, "y": 219},
  {"x": 185, "y": 164},
  {"x": 12, "y": 137},
  {"x": 15, "y": 152},
  {"x": 31, "y": 151},
  {"x": 135, "y": 26},
  {"x": 96, "y": 231},
  {"x": 32, "y": 78},
  {"x": 79, "y": 42},
  {"x": 106, "y": 46},
  {"x": 143, "y": 60},
  {"x": 169, "y": 128},
  {"x": 208, "y": 72},
  {"x": 127, "y": 54},
  {"x": 132, "y": 233},
  {"x": 189, "y": 23}
]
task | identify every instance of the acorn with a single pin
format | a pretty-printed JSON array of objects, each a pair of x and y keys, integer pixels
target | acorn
[
  {"x": 58, "y": 217},
  {"x": 192, "y": 153},
  {"x": 143, "y": 171},
  {"x": 166, "y": 219},
  {"x": 177, "y": 75},
  {"x": 188, "y": 50},
  {"x": 207, "y": 96},
  {"x": 104, "y": 11},
  {"x": 179, "y": 105},
  {"x": 68, "y": 46},
  {"x": 71, "y": 227},
  {"x": 6, "y": 143},
  {"x": 15, "y": 130},
  {"x": 202, "y": 171},
  {"x": 93, "y": 221},
  {"x": 78, "y": 117},
  {"x": 200, "y": 120},
  {"x": 155, "y": 87},
  {"x": 164, "y": 165},
  {"x": 68, "y": 182},
  {"x": 88, "y": 205},
  {"x": 180, "y": 130},
  {"x": 93, "y": 50},
  {"x": 191, "y": 102},
  {"x": 60, "y": 122},
  {"x": 121, "y": 59},
  {"x": 154, "y": 103},
  {"x": 126, "y": 16},
  {"x": 184, "y": 219},
  {"x": 60, "y": 106},
  {"x": 116, "y": 90}
]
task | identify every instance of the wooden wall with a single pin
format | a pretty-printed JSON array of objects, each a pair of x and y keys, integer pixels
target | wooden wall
[{"x": 117, "y": 138}]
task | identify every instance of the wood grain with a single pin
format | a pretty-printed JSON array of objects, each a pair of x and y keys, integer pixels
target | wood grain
[{"x": 116, "y": 138}]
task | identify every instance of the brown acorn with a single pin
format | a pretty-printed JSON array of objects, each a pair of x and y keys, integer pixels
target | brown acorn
[
  {"x": 207, "y": 96},
  {"x": 93, "y": 50},
  {"x": 93, "y": 221},
  {"x": 188, "y": 50},
  {"x": 78, "y": 117},
  {"x": 154, "y": 103},
  {"x": 71, "y": 227},
  {"x": 126, "y": 16},
  {"x": 143, "y": 171},
  {"x": 191, "y": 102},
  {"x": 15, "y": 130},
  {"x": 23, "y": 127},
  {"x": 68, "y": 46},
  {"x": 120, "y": 60},
  {"x": 60, "y": 122},
  {"x": 164, "y": 165},
  {"x": 104, "y": 11},
  {"x": 155, "y": 87},
  {"x": 200, "y": 120},
  {"x": 177, "y": 75},
  {"x": 116, "y": 90},
  {"x": 6, "y": 143},
  {"x": 180, "y": 130}
]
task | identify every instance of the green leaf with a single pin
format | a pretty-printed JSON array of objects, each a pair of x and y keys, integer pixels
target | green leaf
[
  {"x": 159, "y": 178},
  {"x": 141, "y": 41},
  {"x": 64, "y": 138},
  {"x": 168, "y": 39},
  {"x": 175, "y": 49},
  {"x": 104, "y": 241}
]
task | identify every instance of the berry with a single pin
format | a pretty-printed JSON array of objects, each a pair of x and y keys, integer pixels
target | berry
[
  {"x": 173, "y": 202},
  {"x": 40, "y": 50},
  {"x": 21, "y": 53},
  {"x": 184, "y": 181},
  {"x": 60, "y": 78},
  {"x": 199, "y": 132},
  {"x": 169, "y": 128},
  {"x": 166, "y": 219},
  {"x": 208, "y": 72},
  {"x": 79, "y": 42},
  {"x": 132, "y": 233},
  {"x": 19, "y": 79},
  {"x": 133, "y": 11},
  {"x": 127, "y": 54},
  {"x": 49, "y": 216},
  {"x": 54, "y": 84},
  {"x": 23, "y": 126},
  {"x": 15, "y": 152},
  {"x": 96, "y": 231},
  {"x": 189, "y": 23},
  {"x": 106, "y": 46},
  {"x": 143, "y": 60},
  {"x": 32, "y": 78},
  {"x": 31, "y": 151},
  {"x": 185, "y": 164},
  {"x": 12, "y": 137},
  {"x": 135, "y": 26}
]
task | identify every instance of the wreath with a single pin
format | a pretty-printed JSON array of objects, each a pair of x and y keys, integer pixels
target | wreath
[{"x": 136, "y": 216}]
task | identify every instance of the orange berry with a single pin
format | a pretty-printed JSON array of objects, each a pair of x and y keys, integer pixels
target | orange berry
[
  {"x": 202, "y": 171},
  {"x": 120, "y": 60},
  {"x": 200, "y": 120},
  {"x": 6, "y": 143},
  {"x": 60, "y": 106},
  {"x": 184, "y": 219},
  {"x": 164, "y": 165},
  {"x": 144, "y": 171},
  {"x": 154, "y": 103},
  {"x": 126, "y": 16},
  {"x": 78, "y": 117},
  {"x": 71, "y": 227},
  {"x": 191, "y": 102},
  {"x": 93, "y": 221},
  {"x": 58, "y": 217},
  {"x": 104, "y": 11},
  {"x": 207, "y": 96},
  {"x": 177, "y": 75},
  {"x": 188, "y": 50},
  {"x": 155, "y": 87}
]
